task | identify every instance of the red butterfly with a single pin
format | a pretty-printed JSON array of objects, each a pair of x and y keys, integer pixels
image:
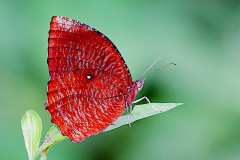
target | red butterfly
[{"x": 90, "y": 85}]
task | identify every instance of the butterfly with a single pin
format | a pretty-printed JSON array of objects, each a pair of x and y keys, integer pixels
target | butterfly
[{"x": 90, "y": 84}]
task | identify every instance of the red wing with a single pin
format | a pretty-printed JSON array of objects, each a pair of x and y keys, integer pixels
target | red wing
[{"x": 88, "y": 79}]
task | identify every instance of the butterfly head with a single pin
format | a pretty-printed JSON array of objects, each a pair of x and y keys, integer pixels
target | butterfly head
[{"x": 139, "y": 84}]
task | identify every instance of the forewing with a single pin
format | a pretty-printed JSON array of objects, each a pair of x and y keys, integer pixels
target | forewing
[{"x": 88, "y": 79}]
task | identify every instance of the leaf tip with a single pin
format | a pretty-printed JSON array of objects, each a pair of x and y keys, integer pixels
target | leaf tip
[{"x": 31, "y": 124}]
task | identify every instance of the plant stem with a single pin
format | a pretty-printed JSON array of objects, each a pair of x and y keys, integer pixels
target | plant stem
[{"x": 43, "y": 156}]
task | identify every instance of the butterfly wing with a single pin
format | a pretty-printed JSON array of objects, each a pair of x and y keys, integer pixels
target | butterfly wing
[{"x": 88, "y": 79}]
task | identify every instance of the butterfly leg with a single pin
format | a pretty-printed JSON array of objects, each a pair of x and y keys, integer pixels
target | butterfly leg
[
  {"x": 130, "y": 108},
  {"x": 138, "y": 100},
  {"x": 129, "y": 111}
]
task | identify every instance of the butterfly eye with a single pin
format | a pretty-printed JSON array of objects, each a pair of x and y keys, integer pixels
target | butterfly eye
[{"x": 89, "y": 76}]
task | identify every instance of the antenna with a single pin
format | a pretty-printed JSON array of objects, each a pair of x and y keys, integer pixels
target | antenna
[{"x": 150, "y": 67}]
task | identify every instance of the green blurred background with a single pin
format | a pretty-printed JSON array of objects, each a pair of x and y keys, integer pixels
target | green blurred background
[{"x": 201, "y": 37}]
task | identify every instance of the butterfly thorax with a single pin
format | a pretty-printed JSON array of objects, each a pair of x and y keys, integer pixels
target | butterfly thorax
[{"x": 133, "y": 91}]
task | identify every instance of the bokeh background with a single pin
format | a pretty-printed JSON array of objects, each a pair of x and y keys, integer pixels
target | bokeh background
[{"x": 201, "y": 37}]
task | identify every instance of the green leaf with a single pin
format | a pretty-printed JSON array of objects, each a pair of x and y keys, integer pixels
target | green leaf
[
  {"x": 31, "y": 127},
  {"x": 54, "y": 136},
  {"x": 140, "y": 112}
]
